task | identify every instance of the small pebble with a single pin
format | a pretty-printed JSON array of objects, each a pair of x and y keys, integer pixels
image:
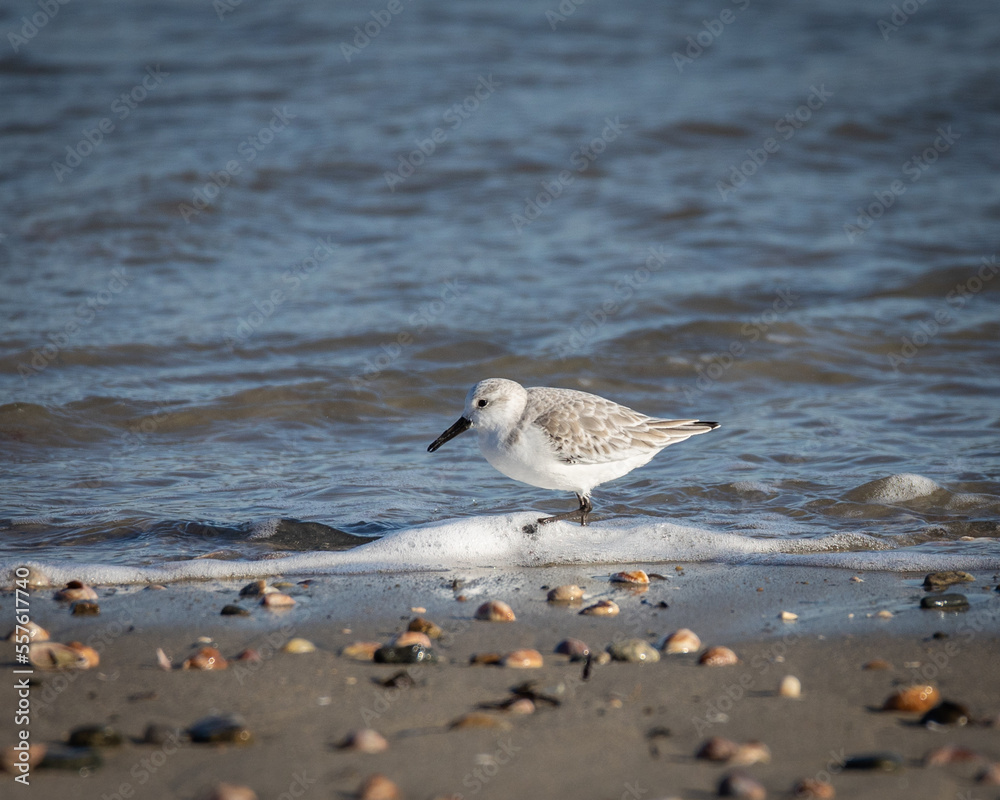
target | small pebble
[
  {"x": 298, "y": 645},
  {"x": 718, "y": 748},
  {"x": 232, "y": 610},
  {"x": 813, "y": 787},
  {"x": 938, "y": 580},
  {"x": 85, "y": 608},
  {"x": 944, "y": 713},
  {"x": 946, "y": 602},
  {"x": 856, "y": 579},
  {"x": 232, "y": 791},
  {"x": 222, "y": 729},
  {"x": 884, "y": 614},
  {"x": 277, "y": 600},
  {"x": 919, "y": 698},
  {"x": 11, "y": 759},
  {"x": 378, "y": 787},
  {"x": 521, "y": 706},
  {"x": 881, "y": 762},
  {"x": 788, "y": 616},
  {"x": 718, "y": 657},
  {"x": 408, "y": 654},
  {"x": 602, "y": 608},
  {"x": 634, "y": 651},
  {"x": 790, "y": 686},
  {"x": 523, "y": 659},
  {"x": 637, "y": 577},
  {"x": 94, "y": 736},
  {"x": 737, "y": 784},
  {"x": 574, "y": 648},
  {"x": 411, "y": 637},
  {"x": 569, "y": 593},
  {"x": 418, "y": 610},
  {"x": 70, "y": 758},
  {"x": 254, "y": 589},
  {"x": 75, "y": 590},
  {"x": 750, "y": 753},
  {"x": 425, "y": 627},
  {"x": 365, "y": 740},
  {"x": 361, "y": 651},
  {"x": 682, "y": 641},
  {"x": 495, "y": 611},
  {"x": 205, "y": 659}
]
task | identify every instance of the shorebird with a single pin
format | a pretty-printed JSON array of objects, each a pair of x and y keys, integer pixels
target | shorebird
[{"x": 563, "y": 439}]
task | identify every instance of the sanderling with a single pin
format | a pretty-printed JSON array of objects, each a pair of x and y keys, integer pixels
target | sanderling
[{"x": 563, "y": 439}]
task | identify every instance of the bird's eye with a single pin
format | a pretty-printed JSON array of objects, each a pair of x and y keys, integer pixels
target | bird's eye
[{"x": 483, "y": 403}]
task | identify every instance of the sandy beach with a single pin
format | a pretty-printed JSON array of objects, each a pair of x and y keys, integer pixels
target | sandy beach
[{"x": 623, "y": 730}]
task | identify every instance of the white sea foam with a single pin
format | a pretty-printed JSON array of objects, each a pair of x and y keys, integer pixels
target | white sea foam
[{"x": 501, "y": 542}]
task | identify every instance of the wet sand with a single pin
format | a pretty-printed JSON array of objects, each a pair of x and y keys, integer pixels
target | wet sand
[{"x": 626, "y": 731}]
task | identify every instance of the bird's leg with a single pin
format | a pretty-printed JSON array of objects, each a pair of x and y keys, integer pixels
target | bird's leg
[{"x": 578, "y": 513}]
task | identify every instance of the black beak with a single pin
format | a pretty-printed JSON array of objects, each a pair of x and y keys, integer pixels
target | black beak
[{"x": 461, "y": 426}]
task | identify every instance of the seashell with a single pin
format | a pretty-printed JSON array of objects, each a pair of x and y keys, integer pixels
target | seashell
[
  {"x": 36, "y": 579},
  {"x": 231, "y": 791},
  {"x": 636, "y": 577},
  {"x": 361, "y": 651},
  {"x": 407, "y": 654},
  {"x": 790, "y": 686},
  {"x": 636, "y": 651},
  {"x": 495, "y": 611},
  {"x": 34, "y": 632},
  {"x": 224, "y": 729},
  {"x": 813, "y": 787},
  {"x": 85, "y": 608},
  {"x": 298, "y": 645},
  {"x": 480, "y": 719},
  {"x": 76, "y": 590},
  {"x": 877, "y": 663},
  {"x": 574, "y": 648},
  {"x": 89, "y": 657},
  {"x": 418, "y": 610},
  {"x": 682, "y": 641},
  {"x": 885, "y": 614},
  {"x": 523, "y": 659},
  {"x": 718, "y": 748},
  {"x": 749, "y": 753},
  {"x": 857, "y": 579},
  {"x": 12, "y": 760},
  {"x": 378, "y": 787},
  {"x": 232, "y": 610},
  {"x": 206, "y": 658},
  {"x": 718, "y": 657},
  {"x": 567, "y": 593},
  {"x": 949, "y": 754},
  {"x": 426, "y": 627},
  {"x": 738, "y": 784},
  {"x": 946, "y": 712},
  {"x": 788, "y": 616},
  {"x": 277, "y": 600},
  {"x": 411, "y": 637},
  {"x": 365, "y": 740},
  {"x": 918, "y": 698},
  {"x": 95, "y": 736},
  {"x": 254, "y": 589},
  {"x": 602, "y": 608}
]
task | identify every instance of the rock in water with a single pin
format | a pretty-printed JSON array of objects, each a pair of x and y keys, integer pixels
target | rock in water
[
  {"x": 938, "y": 580},
  {"x": 635, "y": 651}
]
